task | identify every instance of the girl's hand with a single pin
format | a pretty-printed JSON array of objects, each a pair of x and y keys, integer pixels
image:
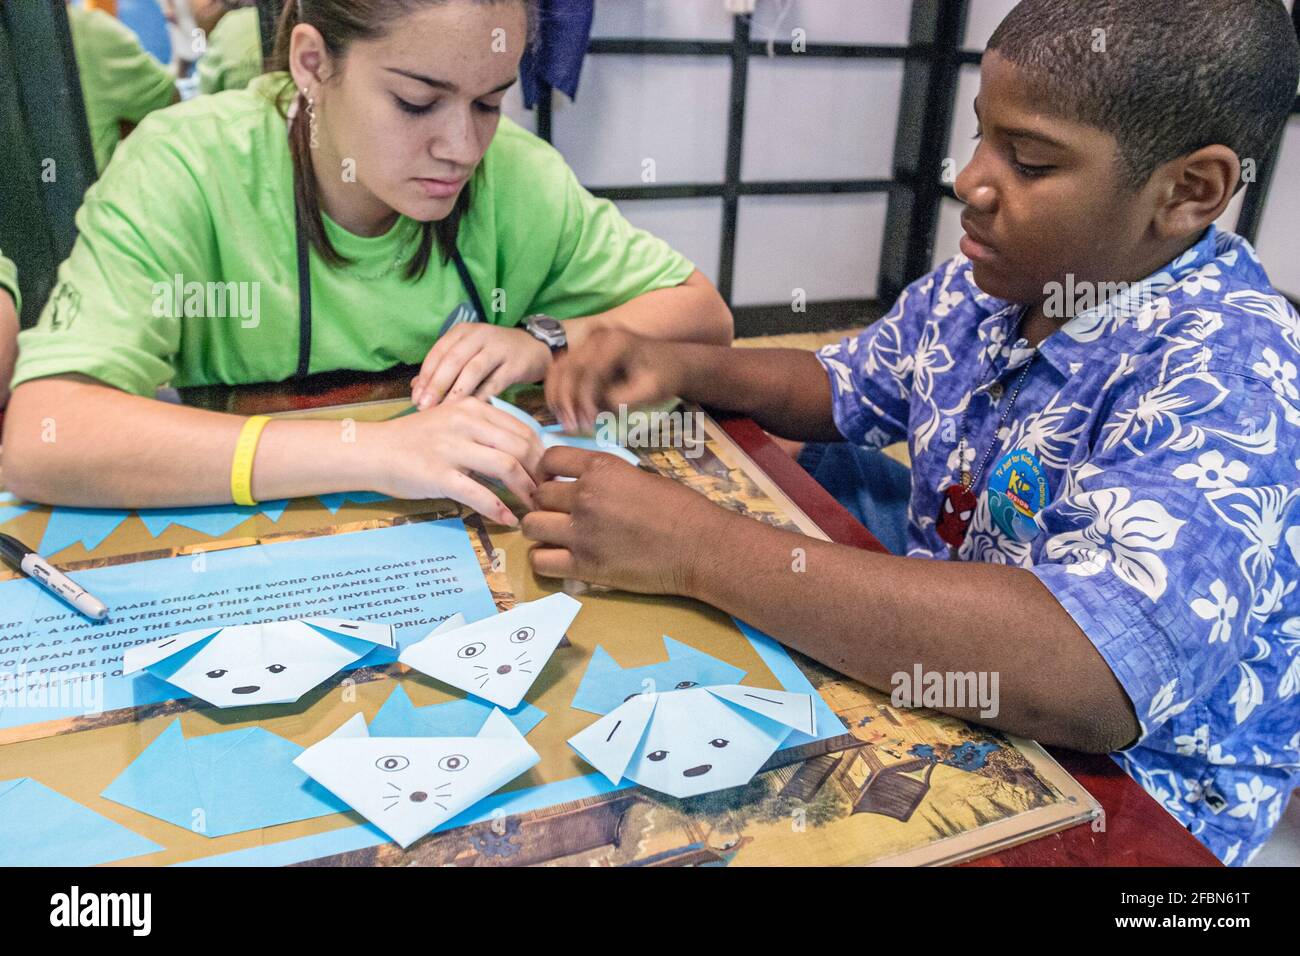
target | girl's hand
[
  {"x": 432, "y": 454},
  {"x": 478, "y": 359}
]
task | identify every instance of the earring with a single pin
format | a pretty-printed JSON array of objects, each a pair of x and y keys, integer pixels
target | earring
[{"x": 311, "y": 116}]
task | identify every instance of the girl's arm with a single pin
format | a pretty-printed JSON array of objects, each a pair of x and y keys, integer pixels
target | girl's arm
[
  {"x": 690, "y": 312},
  {"x": 8, "y": 343},
  {"x": 72, "y": 440},
  {"x": 475, "y": 358}
]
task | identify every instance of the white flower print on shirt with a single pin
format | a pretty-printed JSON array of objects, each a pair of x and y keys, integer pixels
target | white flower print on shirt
[
  {"x": 1127, "y": 533},
  {"x": 1250, "y": 796},
  {"x": 1280, "y": 374},
  {"x": 1211, "y": 470},
  {"x": 1221, "y": 611}
]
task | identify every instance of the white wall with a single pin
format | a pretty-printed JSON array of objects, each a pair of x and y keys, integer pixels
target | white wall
[
  {"x": 1278, "y": 241},
  {"x": 806, "y": 118}
]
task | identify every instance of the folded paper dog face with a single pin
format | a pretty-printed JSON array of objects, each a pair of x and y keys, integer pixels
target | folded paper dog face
[
  {"x": 407, "y": 786},
  {"x": 499, "y": 657},
  {"x": 687, "y": 742},
  {"x": 275, "y": 662}
]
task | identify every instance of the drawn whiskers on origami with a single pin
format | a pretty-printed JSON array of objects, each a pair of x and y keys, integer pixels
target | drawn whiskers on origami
[
  {"x": 496, "y": 658},
  {"x": 407, "y": 786}
]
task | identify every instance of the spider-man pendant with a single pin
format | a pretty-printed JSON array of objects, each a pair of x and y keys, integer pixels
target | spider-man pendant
[{"x": 954, "y": 516}]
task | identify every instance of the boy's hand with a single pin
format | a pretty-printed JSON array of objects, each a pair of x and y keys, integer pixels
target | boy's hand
[
  {"x": 617, "y": 525},
  {"x": 612, "y": 368},
  {"x": 478, "y": 359}
]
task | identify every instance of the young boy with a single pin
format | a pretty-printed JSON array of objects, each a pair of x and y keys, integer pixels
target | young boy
[{"x": 1109, "y": 494}]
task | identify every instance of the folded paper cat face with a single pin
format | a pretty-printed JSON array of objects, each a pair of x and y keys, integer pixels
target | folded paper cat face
[
  {"x": 407, "y": 786},
  {"x": 498, "y": 657},
  {"x": 687, "y": 742},
  {"x": 275, "y": 662}
]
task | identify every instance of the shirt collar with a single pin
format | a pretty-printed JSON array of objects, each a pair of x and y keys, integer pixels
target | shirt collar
[{"x": 1072, "y": 344}]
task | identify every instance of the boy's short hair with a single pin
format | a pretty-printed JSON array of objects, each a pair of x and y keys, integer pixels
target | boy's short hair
[{"x": 1164, "y": 77}]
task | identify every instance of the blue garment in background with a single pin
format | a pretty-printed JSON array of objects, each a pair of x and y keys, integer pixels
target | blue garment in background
[
  {"x": 555, "y": 57},
  {"x": 873, "y": 487},
  {"x": 145, "y": 18}
]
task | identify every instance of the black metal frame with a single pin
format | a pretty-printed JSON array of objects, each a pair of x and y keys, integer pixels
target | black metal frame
[{"x": 931, "y": 59}]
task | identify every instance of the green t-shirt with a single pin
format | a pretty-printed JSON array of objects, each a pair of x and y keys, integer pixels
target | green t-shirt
[
  {"x": 234, "y": 55},
  {"x": 120, "y": 82},
  {"x": 202, "y": 193},
  {"x": 9, "y": 280}
]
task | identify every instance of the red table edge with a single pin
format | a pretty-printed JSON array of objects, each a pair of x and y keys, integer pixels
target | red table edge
[{"x": 1138, "y": 823}]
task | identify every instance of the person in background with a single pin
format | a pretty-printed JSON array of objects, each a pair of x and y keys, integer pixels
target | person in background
[
  {"x": 10, "y": 304},
  {"x": 121, "y": 84},
  {"x": 234, "y": 53}
]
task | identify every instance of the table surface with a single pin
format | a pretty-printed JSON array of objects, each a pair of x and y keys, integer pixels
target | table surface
[{"x": 1135, "y": 831}]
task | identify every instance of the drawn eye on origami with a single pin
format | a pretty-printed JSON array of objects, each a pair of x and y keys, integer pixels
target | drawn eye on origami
[
  {"x": 522, "y": 636},
  {"x": 276, "y": 668},
  {"x": 392, "y": 764},
  {"x": 657, "y": 755},
  {"x": 453, "y": 762},
  {"x": 472, "y": 650},
  {"x": 216, "y": 674},
  {"x": 719, "y": 742},
  {"x": 684, "y": 684}
]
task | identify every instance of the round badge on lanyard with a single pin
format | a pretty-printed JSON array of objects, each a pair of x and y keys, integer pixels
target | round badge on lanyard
[{"x": 1017, "y": 491}]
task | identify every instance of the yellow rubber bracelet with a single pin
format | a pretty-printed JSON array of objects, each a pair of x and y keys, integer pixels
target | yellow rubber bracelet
[{"x": 241, "y": 467}]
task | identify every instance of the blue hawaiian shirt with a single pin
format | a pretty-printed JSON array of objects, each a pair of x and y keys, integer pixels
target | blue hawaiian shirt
[{"x": 1167, "y": 422}]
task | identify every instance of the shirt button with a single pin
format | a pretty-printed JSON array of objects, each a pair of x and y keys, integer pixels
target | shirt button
[{"x": 995, "y": 391}]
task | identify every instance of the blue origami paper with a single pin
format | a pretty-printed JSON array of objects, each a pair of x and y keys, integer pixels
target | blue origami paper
[
  {"x": 688, "y": 742},
  {"x": 11, "y": 507},
  {"x": 605, "y": 684},
  {"x": 91, "y": 526},
  {"x": 221, "y": 783},
  {"x": 683, "y": 726},
  {"x": 42, "y": 827},
  {"x": 553, "y": 435},
  {"x": 398, "y": 717}
]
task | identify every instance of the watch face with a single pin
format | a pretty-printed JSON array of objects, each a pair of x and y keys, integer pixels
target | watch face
[{"x": 548, "y": 330}]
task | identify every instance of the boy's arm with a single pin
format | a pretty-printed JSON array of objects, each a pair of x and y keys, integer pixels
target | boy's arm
[
  {"x": 870, "y": 616},
  {"x": 785, "y": 390}
]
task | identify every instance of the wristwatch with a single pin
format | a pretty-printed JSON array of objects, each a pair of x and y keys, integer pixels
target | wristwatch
[{"x": 550, "y": 332}]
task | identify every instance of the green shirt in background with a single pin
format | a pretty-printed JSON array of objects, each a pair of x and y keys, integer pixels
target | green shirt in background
[
  {"x": 234, "y": 55},
  {"x": 200, "y": 198},
  {"x": 9, "y": 280},
  {"x": 120, "y": 82}
]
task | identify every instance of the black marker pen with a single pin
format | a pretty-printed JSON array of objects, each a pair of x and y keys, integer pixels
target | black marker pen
[{"x": 30, "y": 563}]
